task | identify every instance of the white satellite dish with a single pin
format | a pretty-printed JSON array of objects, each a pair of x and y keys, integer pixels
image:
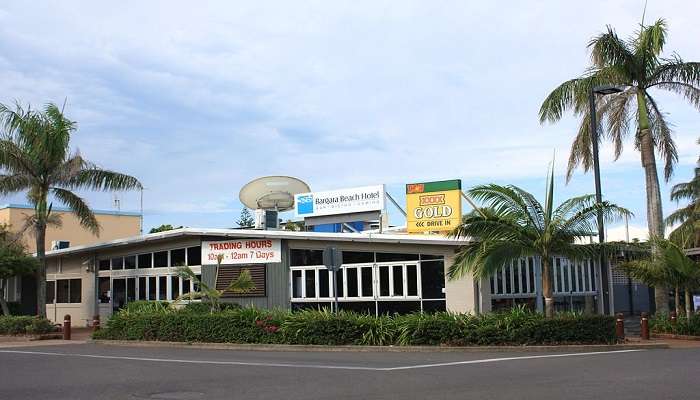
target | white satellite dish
[{"x": 272, "y": 192}]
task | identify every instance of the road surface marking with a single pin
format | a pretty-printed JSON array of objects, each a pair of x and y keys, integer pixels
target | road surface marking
[{"x": 317, "y": 366}]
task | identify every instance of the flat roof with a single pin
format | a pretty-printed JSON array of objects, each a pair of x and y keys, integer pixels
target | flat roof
[
  {"x": 65, "y": 209},
  {"x": 438, "y": 240}
]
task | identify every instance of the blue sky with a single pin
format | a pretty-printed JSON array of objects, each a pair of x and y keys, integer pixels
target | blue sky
[{"x": 196, "y": 101}]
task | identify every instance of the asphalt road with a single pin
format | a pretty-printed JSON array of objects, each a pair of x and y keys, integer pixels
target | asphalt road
[{"x": 90, "y": 371}]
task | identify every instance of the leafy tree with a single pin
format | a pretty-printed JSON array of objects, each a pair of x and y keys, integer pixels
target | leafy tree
[
  {"x": 514, "y": 224},
  {"x": 294, "y": 225},
  {"x": 14, "y": 261},
  {"x": 163, "y": 228},
  {"x": 246, "y": 219},
  {"x": 35, "y": 158},
  {"x": 669, "y": 266},
  {"x": 636, "y": 65},
  {"x": 211, "y": 295},
  {"x": 687, "y": 234}
]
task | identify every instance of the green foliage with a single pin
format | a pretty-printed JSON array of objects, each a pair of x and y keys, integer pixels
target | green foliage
[
  {"x": 20, "y": 325},
  {"x": 246, "y": 219},
  {"x": 661, "y": 323},
  {"x": 210, "y": 295},
  {"x": 203, "y": 308},
  {"x": 145, "y": 306},
  {"x": 687, "y": 234},
  {"x": 163, "y": 228},
  {"x": 250, "y": 325},
  {"x": 669, "y": 266},
  {"x": 14, "y": 261}
]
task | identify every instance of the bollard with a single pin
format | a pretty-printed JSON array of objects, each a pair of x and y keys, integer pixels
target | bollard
[
  {"x": 645, "y": 326},
  {"x": 674, "y": 317},
  {"x": 620, "y": 326},
  {"x": 66, "y": 327},
  {"x": 95, "y": 323}
]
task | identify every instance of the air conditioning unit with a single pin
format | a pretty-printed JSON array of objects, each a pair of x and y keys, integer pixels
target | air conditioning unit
[
  {"x": 59, "y": 244},
  {"x": 266, "y": 219}
]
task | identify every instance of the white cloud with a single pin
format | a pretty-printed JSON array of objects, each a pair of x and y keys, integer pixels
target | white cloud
[{"x": 198, "y": 100}]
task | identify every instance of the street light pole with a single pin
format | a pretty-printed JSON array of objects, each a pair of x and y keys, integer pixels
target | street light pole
[{"x": 604, "y": 277}]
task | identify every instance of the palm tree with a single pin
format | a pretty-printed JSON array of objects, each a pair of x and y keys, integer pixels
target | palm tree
[
  {"x": 669, "y": 266},
  {"x": 687, "y": 234},
  {"x": 242, "y": 284},
  {"x": 35, "y": 158},
  {"x": 635, "y": 64},
  {"x": 514, "y": 224}
]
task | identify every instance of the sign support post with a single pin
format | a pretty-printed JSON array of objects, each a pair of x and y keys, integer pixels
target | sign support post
[{"x": 333, "y": 260}]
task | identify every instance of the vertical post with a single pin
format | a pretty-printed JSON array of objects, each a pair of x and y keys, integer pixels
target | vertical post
[
  {"x": 66, "y": 327},
  {"x": 604, "y": 290},
  {"x": 335, "y": 289},
  {"x": 644, "y": 326},
  {"x": 620, "y": 327}
]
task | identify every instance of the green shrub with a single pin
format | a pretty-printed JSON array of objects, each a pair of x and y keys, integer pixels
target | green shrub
[
  {"x": 251, "y": 325},
  {"x": 145, "y": 306},
  {"x": 661, "y": 323},
  {"x": 20, "y": 325},
  {"x": 204, "y": 307}
]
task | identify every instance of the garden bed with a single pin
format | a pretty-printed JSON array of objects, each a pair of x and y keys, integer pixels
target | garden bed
[{"x": 254, "y": 326}]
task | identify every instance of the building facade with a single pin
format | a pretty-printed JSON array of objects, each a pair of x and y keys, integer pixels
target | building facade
[
  {"x": 381, "y": 273},
  {"x": 114, "y": 224}
]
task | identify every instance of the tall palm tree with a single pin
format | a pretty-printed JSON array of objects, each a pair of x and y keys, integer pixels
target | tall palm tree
[
  {"x": 637, "y": 65},
  {"x": 514, "y": 224},
  {"x": 669, "y": 266},
  {"x": 687, "y": 234},
  {"x": 35, "y": 158}
]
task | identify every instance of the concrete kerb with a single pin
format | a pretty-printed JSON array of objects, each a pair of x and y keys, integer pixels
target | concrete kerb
[{"x": 379, "y": 349}]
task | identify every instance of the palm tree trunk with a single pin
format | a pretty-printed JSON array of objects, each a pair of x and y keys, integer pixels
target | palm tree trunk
[
  {"x": 655, "y": 218},
  {"x": 688, "y": 304},
  {"x": 3, "y": 302},
  {"x": 678, "y": 301},
  {"x": 547, "y": 288},
  {"x": 41, "y": 271}
]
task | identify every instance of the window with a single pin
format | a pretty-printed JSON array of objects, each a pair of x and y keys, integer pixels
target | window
[
  {"x": 142, "y": 288},
  {"x": 146, "y": 260},
  {"x": 163, "y": 288},
  {"x": 357, "y": 257},
  {"x": 306, "y": 257},
  {"x": 130, "y": 289},
  {"x": 366, "y": 286},
  {"x": 398, "y": 280},
  {"x": 194, "y": 255},
  {"x": 103, "y": 290},
  {"x": 323, "y": 283},
  {"x": 296, "y": 284},
  {"x": 151, "y": 288},
  {"x": 51, "y": 291},
  {"x": 175, "y": 285},
  {"x": 411, "y": 280},
  {"x": 62, "y": 291},
  {"x": 310, "y": 278},
  {"x": 68, "y": 291},
  {"x": 76, "y": 289},
  {"x": 118, "y": 263},
  {"x": 185, "y": 286},
  {"x": 160, "y": 259},
  {"x": 432, "y": 277},
  {"x": 352, "y": 282},
  {"x": 103, "y": 265},
  {"x": 391, "y": 257},
  {"x": 196, "y": 284},
  {"x": 130, "y": 262},
  {"x": 177, "y": 257}
]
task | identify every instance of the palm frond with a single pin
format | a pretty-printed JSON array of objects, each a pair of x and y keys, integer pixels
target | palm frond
[
  {"x": 78, "y": 206},
  {"x": 663, "y": 137},
  {"x": 608, "y": 49},
  {"x": 100, "y": 179}
]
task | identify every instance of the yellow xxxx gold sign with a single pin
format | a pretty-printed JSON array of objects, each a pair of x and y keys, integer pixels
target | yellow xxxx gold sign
[{"x": 433, "y": 206}]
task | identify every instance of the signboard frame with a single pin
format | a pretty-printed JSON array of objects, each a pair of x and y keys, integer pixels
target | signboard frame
[{"x": 433, "y": 206}]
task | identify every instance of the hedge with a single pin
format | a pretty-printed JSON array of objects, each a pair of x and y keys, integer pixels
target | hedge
[
  {"x": 661, "y": 323},
  {"x": 20, "y": 325},
  {"x": 249, "y": 325}
]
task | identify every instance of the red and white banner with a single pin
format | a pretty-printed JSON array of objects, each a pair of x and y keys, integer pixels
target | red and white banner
[{"x": 242, "y": 251}]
